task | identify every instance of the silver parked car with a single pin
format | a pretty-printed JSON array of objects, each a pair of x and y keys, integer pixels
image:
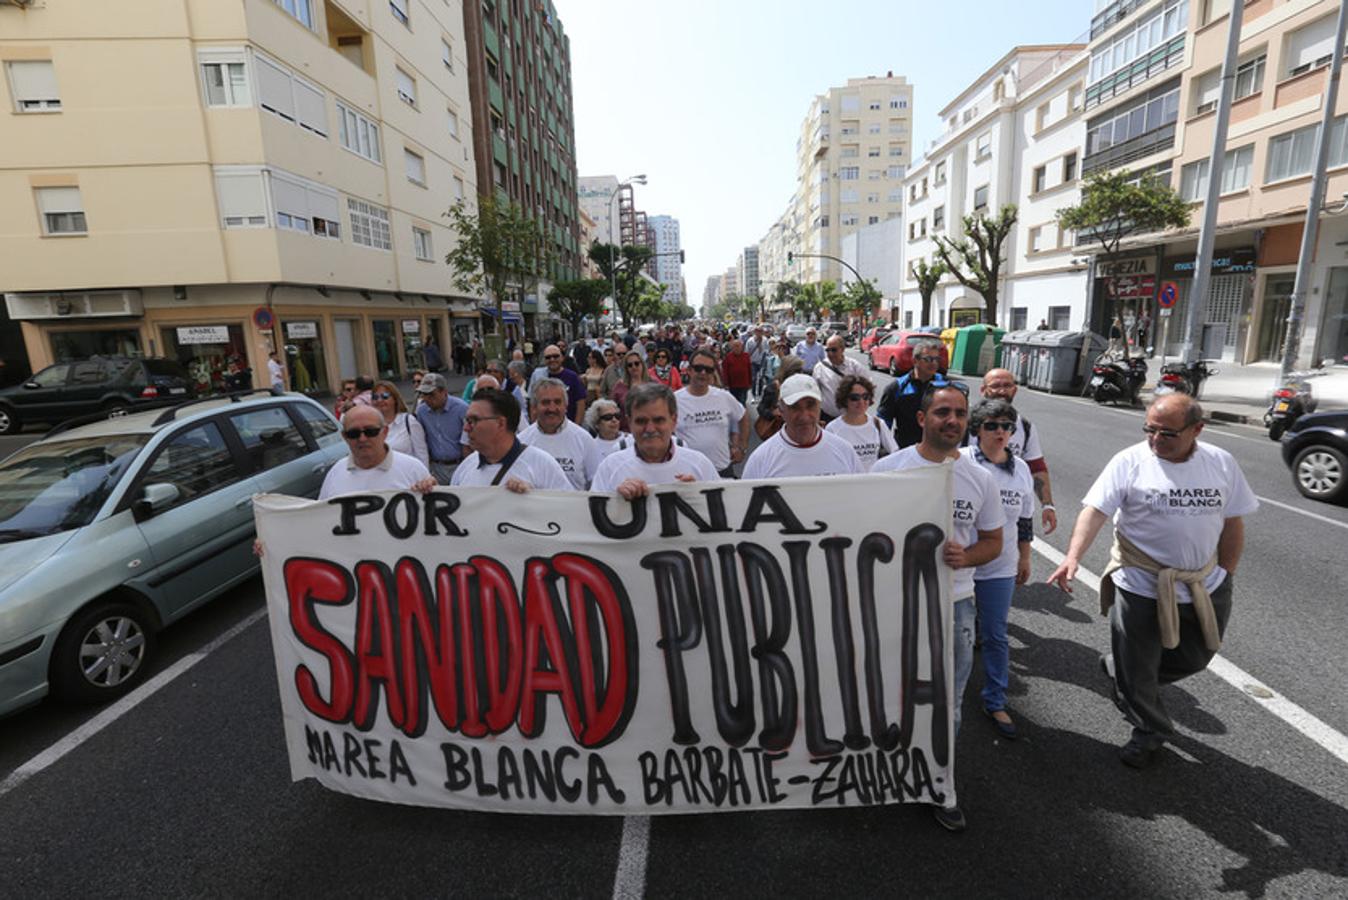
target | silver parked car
[{"x": 112, "y": 529}]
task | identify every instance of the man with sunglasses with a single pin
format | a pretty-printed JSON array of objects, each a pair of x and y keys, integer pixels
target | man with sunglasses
[
  {"x": 810, "y": 351},
  {"x": 553, "y": 356},
  {"x": 830, "y": 373},
  {"x": 710, "y": 419},
  {"x": 371, "y": 465},
  {"x": 441, "y": 416},
  {"x": 1178, "y": 510},
  {"x": 899, "y": 402}
]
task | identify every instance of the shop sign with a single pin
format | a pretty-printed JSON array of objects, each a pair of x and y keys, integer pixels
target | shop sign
[
  {"x": 530, "y": 303},
  {"x": 301, "y": 330},
  {"x": 411, "y": 326},
  {"x": 1138, "y": 265},
  {"x": 510, "y": 306},
  {"x": 204, "y": 334},
  {"x": 1224, "y": 262}
]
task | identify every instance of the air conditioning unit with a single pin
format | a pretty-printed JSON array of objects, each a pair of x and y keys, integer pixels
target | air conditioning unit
[{"x": 74, "y": 305}]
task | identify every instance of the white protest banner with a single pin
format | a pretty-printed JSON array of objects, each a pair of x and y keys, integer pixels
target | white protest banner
[{"x": 715, "y": 646}]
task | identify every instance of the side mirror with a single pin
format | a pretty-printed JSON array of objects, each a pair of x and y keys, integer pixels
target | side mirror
[
  {"x": 31, "y": 385},
  {"x": 154, "y": 498}
]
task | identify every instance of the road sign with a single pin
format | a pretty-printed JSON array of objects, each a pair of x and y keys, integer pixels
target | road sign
[
  {"x": 1165, "y": 312},
  {"x": 1168, "y": 295}
]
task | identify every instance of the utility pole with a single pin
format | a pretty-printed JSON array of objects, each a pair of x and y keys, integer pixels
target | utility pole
[
  {"x": 1198, "y": 294},
  {"x": 1310, "y": 231}
]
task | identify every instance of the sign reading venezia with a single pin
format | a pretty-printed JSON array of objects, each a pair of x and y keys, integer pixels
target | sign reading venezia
[{"x": 713, "y": 646}]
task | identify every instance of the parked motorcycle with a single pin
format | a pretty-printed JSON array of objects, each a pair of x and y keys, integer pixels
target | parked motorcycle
[
  {"x": 1290, "y": 402},
  {"x": 1114, "y": 379},
  {"x": 1177, "y": 378}
]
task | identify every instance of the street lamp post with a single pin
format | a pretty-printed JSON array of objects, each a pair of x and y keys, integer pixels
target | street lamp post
[{"x": 615, "y": 234}]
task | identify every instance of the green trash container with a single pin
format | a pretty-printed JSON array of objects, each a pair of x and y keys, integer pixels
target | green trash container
[{"x": 977, "y": 349}]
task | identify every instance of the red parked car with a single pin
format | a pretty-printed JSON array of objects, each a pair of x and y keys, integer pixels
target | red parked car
[
  {"x": 895, "y": 353},
  {"x": 872, "y": 337}
]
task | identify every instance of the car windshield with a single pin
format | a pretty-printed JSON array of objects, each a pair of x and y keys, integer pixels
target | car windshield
[{"x": 50, "y": 487}]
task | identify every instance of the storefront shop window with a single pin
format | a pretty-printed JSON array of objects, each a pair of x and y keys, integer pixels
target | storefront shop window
[
  {"x": 411, "y": 332},
  {"x": 304, "y": 358},
  {"x": 68, "y": 345},
  {"x": 386, "y": 349},
  {"x": 1334, "y": 328},
  {"x": 206, "y": 351}
]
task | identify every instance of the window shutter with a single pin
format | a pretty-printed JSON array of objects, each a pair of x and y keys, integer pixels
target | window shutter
[
  {"x": 240, "y": 195},
  {"x": 289, "y": 196},
  {"x": 274, "y": 88},
  {"x": 312, "y": 108},
  {"x": 33, "y": 80},
  {"x": 59, "y": 200},
  {"x": 407, "y": 88},
  {"x": 1313, "y": 42},
  {"x": 1209, "y": 90},
  {"x": 323, "y": 205}
]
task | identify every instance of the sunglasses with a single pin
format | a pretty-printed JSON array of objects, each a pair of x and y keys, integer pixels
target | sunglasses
[
  {"x": 1164, "y": 432},
  {"x": 474, "y": 421},
  {"x": 369, "y": 431},
  {"x": 930, "y": 359},
  {"x": 999, "y": 426},
  {"x": 854, "y": 397},
  {"x": 703, "y": 370},
  {"x": 608, "y": 417},
  {"x": 384, "y": 395}
]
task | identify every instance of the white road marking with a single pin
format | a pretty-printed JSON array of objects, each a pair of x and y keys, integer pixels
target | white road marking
[
  {"x": 74, "y": 739},
  {"x": 630, "y": 880},
  {"x": 1335, "y": 742},
  {"x": 1290, "y": 508}
]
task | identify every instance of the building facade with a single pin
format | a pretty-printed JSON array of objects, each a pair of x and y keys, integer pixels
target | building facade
[
  {"x": 668, "y": 269},
  {"x": 746, "y": 272},
  {"x": 597, "y": 195},
  {"x": 284, "y": 192},
  {"x": 876, "y": 252}
]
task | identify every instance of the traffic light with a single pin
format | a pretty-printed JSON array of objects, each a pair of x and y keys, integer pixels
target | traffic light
[
  {"x": 681, "y": 257},
  {"x": 790, "y": 257}
]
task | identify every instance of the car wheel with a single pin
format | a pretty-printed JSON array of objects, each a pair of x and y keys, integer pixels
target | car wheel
[
  {"x": 9, "y": 421},
  {"x": 102, "y": 653},
  {"x": 1320, "y": 473},
  {"x": 894, "y": 366},
  {"x": 115, "y": 407}
]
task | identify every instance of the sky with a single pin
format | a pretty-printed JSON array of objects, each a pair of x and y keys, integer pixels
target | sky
[{"x": 706, "y": 97}]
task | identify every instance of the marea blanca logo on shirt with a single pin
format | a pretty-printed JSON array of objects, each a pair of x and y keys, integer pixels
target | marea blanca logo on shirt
[
  {"x": 1186, "y": 501},
  {"x": 964, "y": 511},
  {"x": 704, "y": 417}
]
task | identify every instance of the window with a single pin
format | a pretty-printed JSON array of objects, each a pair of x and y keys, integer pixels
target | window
[
  {"x": 1249, "y": 78},
  {"x": 898, "y": 103},
  {"x": 1032, "y": 244},
  {"x": 415, "y": 167},
  {"x": 872, "y": 220},
  {"x": 849, "y": 173},
  {"x": 938, "y": 173},
  {"x": 1041, "y": 116},
  {"x": 62, "y": 210},
  {"x": 851, "y": 152},
  {"x": 848, "y": 218},
  {"x": 1069, "y": 168},
  {"x": 872, "y": 198},
  {"x": 357, "y": 133},
  {"x": 895, "y": 150},
  {"x": 872, "y": 151},
  {"x": 851, "y": 103},
  {"x": 303, "y": 205},
  {"x": 321, "y": 426},
  {"x": 421, "y": 244},
  {"x": 896, "y": 127},
  {"x": 453, "y": 119},
  {"x": 196, "y": 462},
  {"x": 407, "y": 88},
  {"x": 1207, "y": 91},
  {"x": 894, "y": 196},
  {"x": 1292, "y": 154},
  {"x": 1139, "y": 40},
  {"x": 1157, "y": 109},
  {"x": 1059, "y": 317},
  {"x": 847, "y": 195},
  {"x": 1040, "y": 179},
  {"x": 290, "y": 97},
  {"x": 300, "y": 9},
  {"x": 241, "y": 197},
  {"x": 225, "y": 81},
  {"x": 980, "y": 198},
  {"x": 311, "y": 108},
  {"x": 269, "y": 437},
  {"x": 399, "y": 10},
  {"x": 34, "y": 86},
  {"x": 447, "y": 54},
  {"x": 458, "y": 188},
  {"x": 873, "y": 128},
  {"x": 1235, "y": 174},
  {"x": 369, "y": 224},
  {"x": 1310, "y": 47},
  {"x": 938, "y": 218},
  {"x": 984, "y": 146},
  {"x": 894, "y": 172}
]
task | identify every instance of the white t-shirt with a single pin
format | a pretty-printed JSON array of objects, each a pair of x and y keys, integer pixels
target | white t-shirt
[
  {"x": 406, "y": 435},
  {"x": 777, "y": 457},
  {"x": 276, "y": 372},
  {"x": 397, "y": 472},
  {"x": 976, "y": 506},
  {"x": 607, "y": 447},
  {"x": 1027, "y": 449},
  {"x": 706, "y": 422},
  {"x": 621, "y": 465},
  {"x": 534, "y": 467},
  {"x": 572, "y": 446},
  {"x": 829, "y": 379},
  {"x": 1016, "y": 488},
  {"x": 867, "y": 440},
  {"x": 1173, "y": 512}
]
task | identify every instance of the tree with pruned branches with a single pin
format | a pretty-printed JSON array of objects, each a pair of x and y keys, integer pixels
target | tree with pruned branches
[{"x": 976, "y": 259}]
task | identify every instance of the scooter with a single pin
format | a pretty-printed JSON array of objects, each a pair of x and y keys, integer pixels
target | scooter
[
  {"x": 1290, "y": 402},
  {"x": 1114, "y": 379},
  {"x": 1177, "y": 378}
]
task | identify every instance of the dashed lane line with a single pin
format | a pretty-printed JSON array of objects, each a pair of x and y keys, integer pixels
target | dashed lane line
[
  {"x": 111, "y": 714},
  {"x": 1331, "y": 740},
  {"x": 629, "y": 882}
]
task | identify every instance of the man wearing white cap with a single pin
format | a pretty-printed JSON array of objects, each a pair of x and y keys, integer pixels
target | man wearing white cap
[{"x": 801, "y": 448}]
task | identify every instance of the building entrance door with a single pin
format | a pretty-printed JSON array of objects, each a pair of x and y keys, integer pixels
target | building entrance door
[
  {"x": 1273, "y": 315},
  {"x": 346, "y": 348},
  {"x": 1333, "y": 341}
]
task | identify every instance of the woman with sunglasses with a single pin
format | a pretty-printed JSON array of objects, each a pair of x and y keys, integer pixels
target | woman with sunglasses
[
  {"x": 664, "y": 372},
  {"x": 991, "y": 423},
  {"x": 867, "y": 434},
  {"x": 594, "y": 373},
  {"x": 602, "y": 418},
  {"x": 405, "y": 433},
  {"x": 634, "y": 373}
]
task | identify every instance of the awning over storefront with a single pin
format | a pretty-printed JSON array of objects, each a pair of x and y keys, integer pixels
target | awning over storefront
[{"x": 507, "y": 317}]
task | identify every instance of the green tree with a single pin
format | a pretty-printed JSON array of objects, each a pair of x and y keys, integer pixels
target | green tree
[
  {"x": 976, "y": 259},
  {"x": 785, "y": 294},
  {"x": 928, "y": 277},
  {"x": 864, "y": 299},
  {"x": 807, "y": 302},
  {"x": 574, "y": 300},
  {"x": 1117, "y": 205},
  {"x": 621, "y": 266},
  {"x": 499, "y": 250}
]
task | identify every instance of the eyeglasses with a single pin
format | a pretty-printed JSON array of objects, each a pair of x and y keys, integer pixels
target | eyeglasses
[
  {"x": 634, "y": 365},
  {"x": 608, "y": 417},
  {"x": 999, "y": 426},
  {"x": 855, "y": 397},
  {"x": 834, "y": 349},
  {"x": 384, "y": 395},
  {"x": 1164, "y": 432},
  {"x": 703, "y": 370},
  {"x": 929, "y": 359},
  {"x": 474, "y": 421},
  {"x": 369, "y": 431},
  {"x": 662, "y": 358}
]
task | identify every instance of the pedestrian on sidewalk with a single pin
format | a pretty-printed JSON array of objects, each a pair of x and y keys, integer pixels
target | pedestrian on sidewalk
[
  {"x": 441, "y": 417},
  {"x": 1178, "y": 509}
]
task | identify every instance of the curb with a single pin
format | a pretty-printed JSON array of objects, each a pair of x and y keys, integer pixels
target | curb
[{"x": 1221, "y": 415}]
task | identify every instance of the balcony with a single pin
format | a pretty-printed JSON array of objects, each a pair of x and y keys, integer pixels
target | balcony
[
  {"x": 1143, "y": 145},
  {"x": 1164, "y": 57},
  {"x": 1111, "y": 15}
]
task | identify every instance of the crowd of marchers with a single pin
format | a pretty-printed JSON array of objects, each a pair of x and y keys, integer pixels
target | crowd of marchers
[{"x": 670, "y": 408}]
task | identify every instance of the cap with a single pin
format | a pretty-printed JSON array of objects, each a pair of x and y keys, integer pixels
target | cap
[
  {"x": 431, "y": 382},
  {"x": 797, "y": 388}
]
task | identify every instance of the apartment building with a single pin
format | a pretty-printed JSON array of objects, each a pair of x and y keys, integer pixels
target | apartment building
[
  {"x": 711, "y": 293},
  {"x": 1017, "y": 113},
  {"x": 597, "y": 195},
  {"x": 854, "y": 147},
  {"x": 773, "y": 268},
  {"x": 519, "y": 68},
  {"x": 667, "y": 268},
  {"x": 746, "y": 272},
  {"x": 589, "y": 231},
  {"x": 211, "y": 180}
]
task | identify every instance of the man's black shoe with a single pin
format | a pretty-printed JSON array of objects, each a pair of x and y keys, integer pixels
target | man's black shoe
[
  {"x": 951, "y": 818},
  {"x": 1137, "y": 755}
]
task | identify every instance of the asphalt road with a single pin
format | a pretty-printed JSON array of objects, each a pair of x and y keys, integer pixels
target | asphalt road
[{"x": 188, "y": 793}]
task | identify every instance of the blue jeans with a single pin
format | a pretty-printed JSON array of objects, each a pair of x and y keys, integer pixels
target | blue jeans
[
  {"x": 994, "y": 604},
  {"x": 964, "y": 650}
]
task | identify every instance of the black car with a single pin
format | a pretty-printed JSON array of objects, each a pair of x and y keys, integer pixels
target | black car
[
  {"x": 83, "y": 386},
  {"x": 1316, "y": 450}
]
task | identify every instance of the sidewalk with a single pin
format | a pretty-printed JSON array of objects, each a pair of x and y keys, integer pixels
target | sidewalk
[{"x": 1242, "y": 393}]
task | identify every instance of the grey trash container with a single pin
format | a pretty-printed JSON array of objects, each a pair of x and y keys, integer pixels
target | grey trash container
[
  {"x": 1062, "y": 363},
  {"x": 1036, "y": 359},
  {"x": 1013, "y": 354}
]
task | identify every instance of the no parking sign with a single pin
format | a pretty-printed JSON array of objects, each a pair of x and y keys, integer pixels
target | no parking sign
[{"x": 1167, "y": 296}]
